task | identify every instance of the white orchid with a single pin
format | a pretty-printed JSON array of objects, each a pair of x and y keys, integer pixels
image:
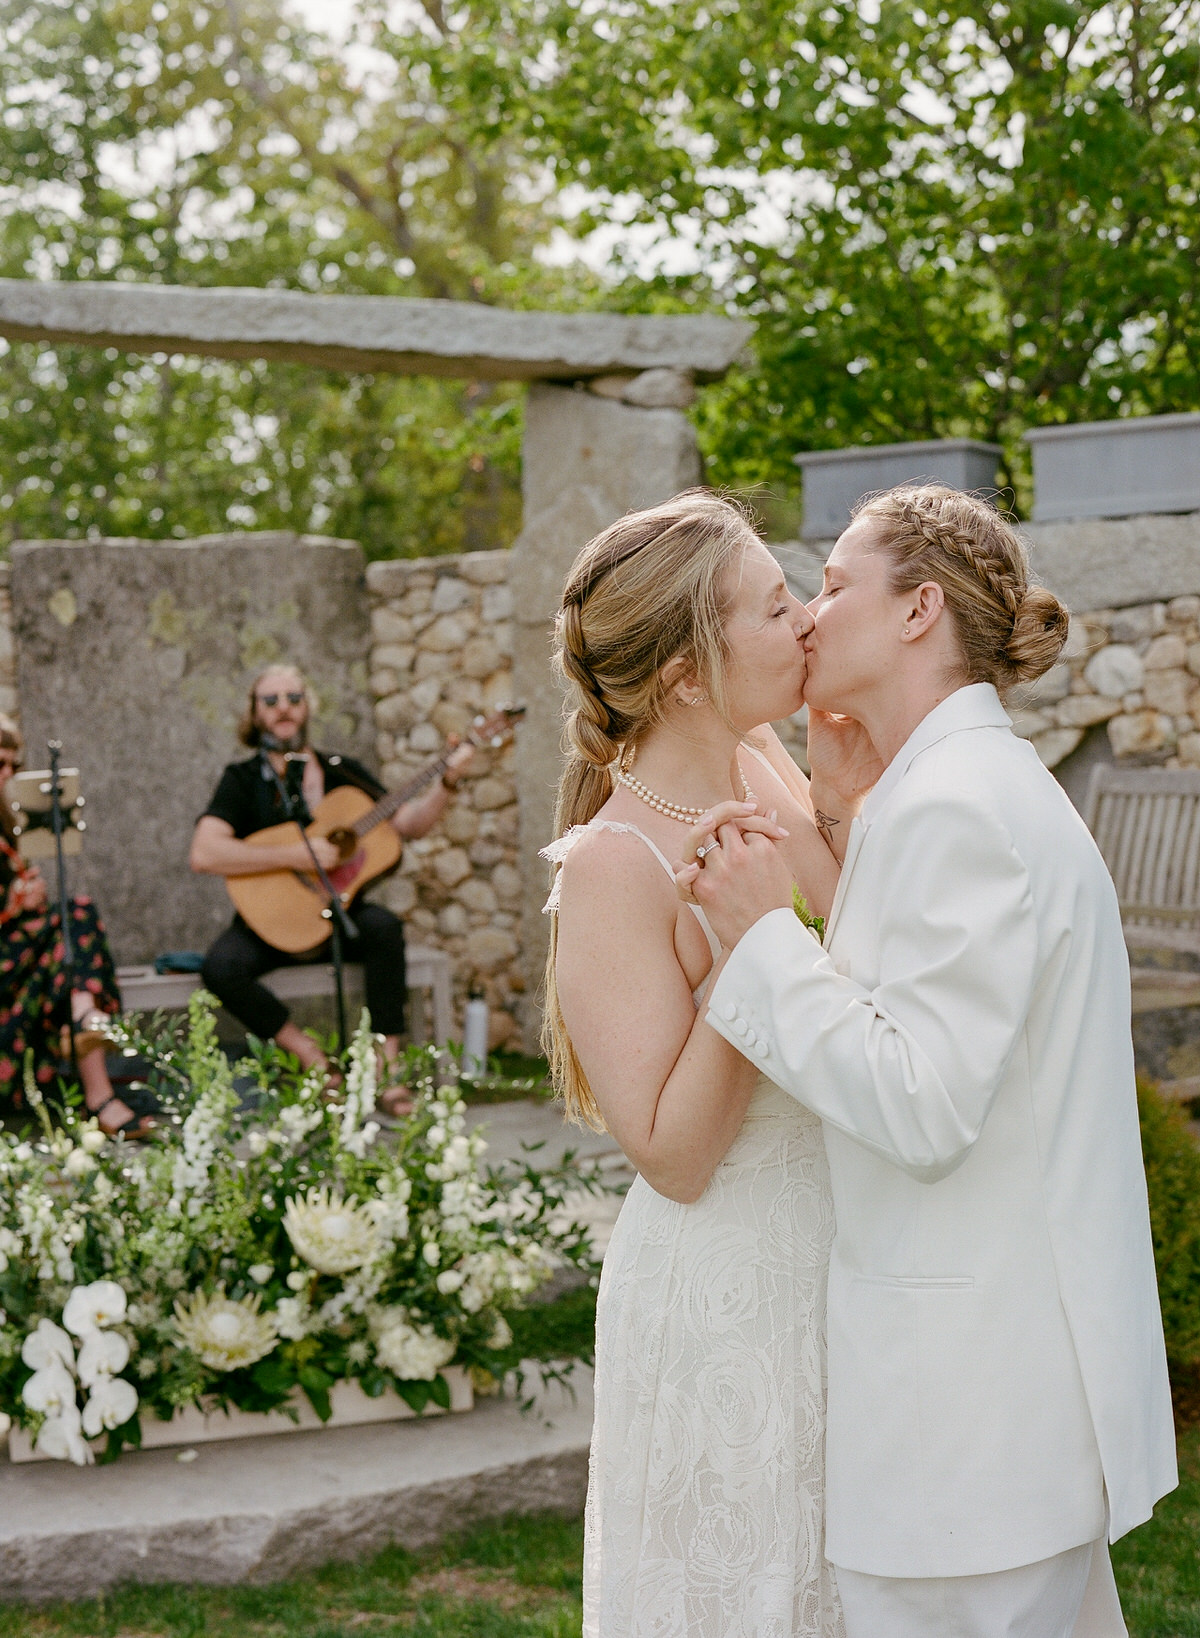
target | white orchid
[
  {"x": 102, "y": 1354},
  {"x": 61, "y": 1438},
  {"x": 331, "y": 1234},
  {"x": 113, "y": 1401},
  {"x": 50, "y": 1390},
  {"x": 92, "y": 1307},
  {"x": 415, "y": 1353},
  {"x": 45, "y": 1343},
  {"x": 225, "y": 1334}
]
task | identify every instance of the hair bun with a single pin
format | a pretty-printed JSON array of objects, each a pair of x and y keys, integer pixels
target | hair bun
[{"x": 1039, "y": 632}]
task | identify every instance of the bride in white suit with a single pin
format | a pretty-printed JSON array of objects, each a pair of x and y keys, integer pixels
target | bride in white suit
[
  {"x": 998, "y": 1399},
  {"x": 677, "y": 639}
]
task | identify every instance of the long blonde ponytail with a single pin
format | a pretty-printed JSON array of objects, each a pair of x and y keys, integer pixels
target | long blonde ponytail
[{"x": 651, "y": 588}]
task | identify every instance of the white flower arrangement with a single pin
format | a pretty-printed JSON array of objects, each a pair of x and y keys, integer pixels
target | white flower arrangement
[{"x": 264, "y": 1249}]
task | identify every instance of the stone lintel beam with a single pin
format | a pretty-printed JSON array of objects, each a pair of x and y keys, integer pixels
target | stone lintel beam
[{"x": 368, "y": 333}]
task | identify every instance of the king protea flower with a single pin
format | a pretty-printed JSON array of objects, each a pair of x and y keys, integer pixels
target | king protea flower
[
  {"x": 225, "y": 1334},
  {"x": 331, "y": 1234}
]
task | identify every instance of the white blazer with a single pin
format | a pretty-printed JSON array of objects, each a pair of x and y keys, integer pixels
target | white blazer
[{"x": 996, "y": 1359}]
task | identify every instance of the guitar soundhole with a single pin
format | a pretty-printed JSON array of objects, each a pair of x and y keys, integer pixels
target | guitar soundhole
[{"x": 345, "y": 841}]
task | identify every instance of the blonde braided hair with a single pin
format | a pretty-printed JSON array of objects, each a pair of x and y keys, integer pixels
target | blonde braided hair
[
  {"x": 651, "y": 588},
  {"x": 1009, "y": 628}
]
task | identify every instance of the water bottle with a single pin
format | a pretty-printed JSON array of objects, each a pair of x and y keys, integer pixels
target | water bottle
[{"x": 475, "y": 1038}]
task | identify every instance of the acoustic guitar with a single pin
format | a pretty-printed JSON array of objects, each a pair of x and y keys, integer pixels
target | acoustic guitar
[{"x": 285, "y": 906}]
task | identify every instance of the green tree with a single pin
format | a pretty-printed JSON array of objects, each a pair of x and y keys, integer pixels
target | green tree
[
  {"x": 226, "y": 143},
  {"x": 956, "y": 220}
]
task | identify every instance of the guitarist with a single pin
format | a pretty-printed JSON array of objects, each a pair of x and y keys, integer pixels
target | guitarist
[{"x": 246, "y": 800}]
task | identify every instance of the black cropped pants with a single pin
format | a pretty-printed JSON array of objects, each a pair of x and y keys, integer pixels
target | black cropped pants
[{"x": 239, "y": 958}]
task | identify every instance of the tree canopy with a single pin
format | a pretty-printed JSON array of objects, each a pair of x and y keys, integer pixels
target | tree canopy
[{"x": 964, "y": 219}]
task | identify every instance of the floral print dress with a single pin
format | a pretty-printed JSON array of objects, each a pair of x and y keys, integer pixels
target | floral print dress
[{"x": 35, "y": 985}]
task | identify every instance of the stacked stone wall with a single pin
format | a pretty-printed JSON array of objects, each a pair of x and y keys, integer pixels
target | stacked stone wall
[
  {"x": 1137, "y": 671},
  {"x": 441, "y": 654}
]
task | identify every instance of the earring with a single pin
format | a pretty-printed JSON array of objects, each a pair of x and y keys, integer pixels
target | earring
[{"x": 699, "y": 700}]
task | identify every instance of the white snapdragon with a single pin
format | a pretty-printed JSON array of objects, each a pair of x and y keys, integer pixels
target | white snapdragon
[
  {"x": 203, "y": 1131},
  {"x": 359, "y": 1091}
]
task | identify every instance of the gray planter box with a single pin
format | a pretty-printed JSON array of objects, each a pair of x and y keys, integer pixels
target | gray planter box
[
  {"x": 1116, "y": 469},
  {"x": 835, "y": 478}
]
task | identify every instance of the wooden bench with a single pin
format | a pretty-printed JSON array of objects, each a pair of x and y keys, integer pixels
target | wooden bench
[
  {"x": 144, "y": 990},
  {"x": 1146, "y": 822}
]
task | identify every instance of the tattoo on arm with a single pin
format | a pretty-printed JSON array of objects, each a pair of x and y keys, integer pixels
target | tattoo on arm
[{"x": 825, "y": 824}]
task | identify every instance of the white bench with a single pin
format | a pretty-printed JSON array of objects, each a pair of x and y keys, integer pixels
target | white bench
[{"x": 144, "y": 990}]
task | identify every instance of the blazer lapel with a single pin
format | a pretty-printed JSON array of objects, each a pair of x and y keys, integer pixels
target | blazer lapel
[{"x": 853, "y": 846}]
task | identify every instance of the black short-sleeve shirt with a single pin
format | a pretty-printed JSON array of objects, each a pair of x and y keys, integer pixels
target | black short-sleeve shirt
[{"x": 247, "y": 798}]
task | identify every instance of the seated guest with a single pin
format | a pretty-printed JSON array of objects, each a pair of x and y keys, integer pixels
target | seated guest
[
  {"x": 42, "y": 1001},
  {"x": 247, "y": 800}
]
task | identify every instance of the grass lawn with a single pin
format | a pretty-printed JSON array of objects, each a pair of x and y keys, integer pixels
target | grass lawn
[
  {"x": 516, "y": 1579},
  {"x": 1158, "y": 1566},
  {"x": 520, "y": 1579}
]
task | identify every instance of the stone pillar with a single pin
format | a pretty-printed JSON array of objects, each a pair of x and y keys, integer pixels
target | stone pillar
[
  {"x": 8, "y": 658},
  {"x": 138, "y": 656},
  {"x": 588, "y": 458}
]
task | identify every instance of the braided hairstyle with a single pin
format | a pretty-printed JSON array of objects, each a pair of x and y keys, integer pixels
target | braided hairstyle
[
  {"x": 1010, "y": 629},
  {"x": 653, "y": 587}
]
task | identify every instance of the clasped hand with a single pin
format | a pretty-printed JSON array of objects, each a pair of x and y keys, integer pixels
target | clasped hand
[{"x": 732, "y": 869}]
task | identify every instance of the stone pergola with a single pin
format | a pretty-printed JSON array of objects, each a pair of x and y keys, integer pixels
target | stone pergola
[{"x": 605, "y": 432}]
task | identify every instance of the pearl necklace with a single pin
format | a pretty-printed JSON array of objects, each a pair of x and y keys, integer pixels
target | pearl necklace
[{"x": 672, "y": 810}]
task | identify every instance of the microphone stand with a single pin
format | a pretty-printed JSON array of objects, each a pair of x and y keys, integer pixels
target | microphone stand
[
  {"x": 340, "y": 925},
  {"x": 54, "y": 746}
]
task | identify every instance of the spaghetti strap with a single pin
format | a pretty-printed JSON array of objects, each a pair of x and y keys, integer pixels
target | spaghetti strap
[{"x": 557, "y": 852}]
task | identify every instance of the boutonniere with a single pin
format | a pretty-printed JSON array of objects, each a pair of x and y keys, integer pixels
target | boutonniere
[{"x": 815, "y": 924}]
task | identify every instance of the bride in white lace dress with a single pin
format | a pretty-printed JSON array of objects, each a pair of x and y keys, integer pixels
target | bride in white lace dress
[{"x": 677, "y": 639}]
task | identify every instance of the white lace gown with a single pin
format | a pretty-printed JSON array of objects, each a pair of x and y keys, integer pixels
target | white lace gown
[{"x": 705, "y": 1510}]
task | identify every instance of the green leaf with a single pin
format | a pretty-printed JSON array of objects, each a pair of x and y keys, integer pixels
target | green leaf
[
  {"x": 439, "y": 1392},
  {"x": 415, "y": 1394}
]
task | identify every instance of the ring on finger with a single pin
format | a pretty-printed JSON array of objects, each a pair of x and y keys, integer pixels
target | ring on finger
[{"x": 708, "y": 847}]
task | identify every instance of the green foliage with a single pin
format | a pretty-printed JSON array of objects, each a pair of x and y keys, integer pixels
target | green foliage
[
  {"x": 1172, "y": 1158},
  {"x": 958, "y": 220},
  {"x": 803, "y": 910},
  {"x": 231, "y": 145},
  {"x": 955, "y": 221}
]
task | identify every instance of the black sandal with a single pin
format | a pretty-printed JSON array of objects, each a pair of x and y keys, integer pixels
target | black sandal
[{"x": 134, "y": 1130}]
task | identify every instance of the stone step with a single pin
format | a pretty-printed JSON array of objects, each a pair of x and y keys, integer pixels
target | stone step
[{"x": 263, "y": 1509}]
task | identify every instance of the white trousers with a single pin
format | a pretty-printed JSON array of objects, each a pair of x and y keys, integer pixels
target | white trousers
[{"x": 1072, "y": 1595}]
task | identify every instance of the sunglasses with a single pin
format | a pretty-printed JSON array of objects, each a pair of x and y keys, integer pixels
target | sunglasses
[{"x": 271, "y": 700}]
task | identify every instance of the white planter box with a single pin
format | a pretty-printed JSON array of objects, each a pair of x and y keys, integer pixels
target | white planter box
[
  {"x": 835, "y": 478},
  {"x": 1116, "y": 469},
  {"x": 351, "y": 1407}
]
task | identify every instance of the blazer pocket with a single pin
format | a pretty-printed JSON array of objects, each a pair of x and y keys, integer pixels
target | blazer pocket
[{"x": 920, "y": 1282}]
